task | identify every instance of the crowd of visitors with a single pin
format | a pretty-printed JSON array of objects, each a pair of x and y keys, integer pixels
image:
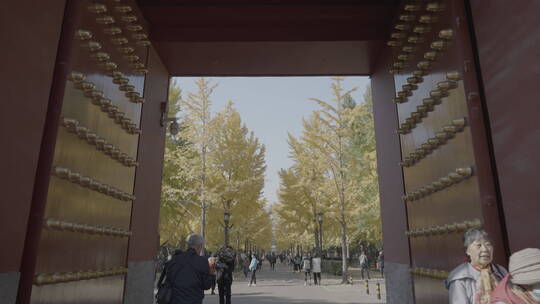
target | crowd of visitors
[
  {"x": 187, "y": 274},
  {"x": 476, "y": 281}
]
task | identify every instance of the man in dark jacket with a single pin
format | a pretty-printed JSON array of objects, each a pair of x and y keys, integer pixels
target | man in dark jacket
[
  {"x": 193, "y": 274},
  {"x": 225, "y": 268}
]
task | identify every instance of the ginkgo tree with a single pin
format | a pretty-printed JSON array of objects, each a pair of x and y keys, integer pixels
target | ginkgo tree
[
  {"x": 367, "y": 221},
  {"x": 333, "y": 171},
  {"x": 236, "y": 161},
  {"x": 197, "y": 117},
  {"x": 214, "y": 165},
  {"x": 328, "y": 131},
  {"x": 177, "y": 219},
  {"x": 217, "y": 165}
]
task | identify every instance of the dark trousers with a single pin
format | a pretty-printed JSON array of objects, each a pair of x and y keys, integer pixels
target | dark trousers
[
  {"x": 253, "y": 277},
  {"x": 306, "y": 274},
  {"x": 224, "y": 292},
  {"x": 317, "y": 275},
  {"x": 366, "y": 269},
  {"x": 273, "y": 266},
  {"x": 213, "y": 285}
]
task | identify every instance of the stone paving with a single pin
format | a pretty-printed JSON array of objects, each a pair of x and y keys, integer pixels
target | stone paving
[{"x": 284, "y": 286}]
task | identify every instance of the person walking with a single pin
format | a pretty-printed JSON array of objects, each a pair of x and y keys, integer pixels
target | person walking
[
  {"x": 306, "y": 267},
  {"x": 380, "y": 263},
  {"x": 272, "y": 259},
  {"x": 316, "y": 268},
  {"x": 297, "y": 263},
  {"x": 242, "y": 256},
  {"x": 364, "y": 265},
  {"x": 225, "y": 265},
  {"x": 245, "y": 266},
  {"x": 253, "y": 267},
  {"x": 193, "y": 273},
  {"x": 213, "y": 259},
  {"x": 290, "y": 262},
  {"x": 260, "y": 262}
]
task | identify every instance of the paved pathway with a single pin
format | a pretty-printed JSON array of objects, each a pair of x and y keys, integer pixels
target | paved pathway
[{"x": 284, "y": 286}]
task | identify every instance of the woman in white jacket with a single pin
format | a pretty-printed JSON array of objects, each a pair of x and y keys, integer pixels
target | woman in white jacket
[{"x": 316, "y": 267}]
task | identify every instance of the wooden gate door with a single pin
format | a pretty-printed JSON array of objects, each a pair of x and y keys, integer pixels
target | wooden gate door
[
  {"x": 81, "y": 239},
  {"x": 445, "y": 157}
]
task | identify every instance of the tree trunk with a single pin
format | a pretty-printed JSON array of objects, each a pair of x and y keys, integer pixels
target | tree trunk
[
  {"x": 317, "y": 238},
  {"x": 226, "y": 238},
  {"x": 344, "y": 260},
  {"x": 237, "y": 241},
  {"x": 344, "y": 256},
  {"x": 203, "y": 225}
]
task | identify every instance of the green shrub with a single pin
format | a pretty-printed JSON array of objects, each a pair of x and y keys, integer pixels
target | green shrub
[{"x": 332, "y": 267}]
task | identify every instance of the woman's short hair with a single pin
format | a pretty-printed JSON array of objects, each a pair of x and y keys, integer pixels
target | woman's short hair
[{"x": 474, "y": 234}]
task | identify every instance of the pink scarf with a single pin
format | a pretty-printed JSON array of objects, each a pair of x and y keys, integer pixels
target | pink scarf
[{"x": 503, "y": 293}]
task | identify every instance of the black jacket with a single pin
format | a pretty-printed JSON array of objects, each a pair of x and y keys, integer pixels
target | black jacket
[
  {"x": 192, "y": 278},
  {"x": 226, "y": 273}
]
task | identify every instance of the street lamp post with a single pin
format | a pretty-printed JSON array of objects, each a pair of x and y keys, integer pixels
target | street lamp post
[
  {"x": 226, "y": 219},
  {"x": 320, "y": 220}
]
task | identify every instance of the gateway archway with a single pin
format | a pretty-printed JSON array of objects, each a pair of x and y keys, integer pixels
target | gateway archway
[{"x": 83, "y": 93}]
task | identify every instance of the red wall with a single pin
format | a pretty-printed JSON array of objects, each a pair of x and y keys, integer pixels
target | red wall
[
  {"x": 145, "y": 213},
  {"x": 508, "y": 41},
  {"x": 393, "y": 210},
  {"x": 27, "y": 69}
]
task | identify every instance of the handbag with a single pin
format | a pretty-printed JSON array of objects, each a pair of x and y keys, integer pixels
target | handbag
[{"x": 165, "y": 283}]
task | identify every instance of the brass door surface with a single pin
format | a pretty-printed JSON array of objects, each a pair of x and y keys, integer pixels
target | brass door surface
[
  {"x": 446, "y": 166},
  {"x": 81, "y": 256}
]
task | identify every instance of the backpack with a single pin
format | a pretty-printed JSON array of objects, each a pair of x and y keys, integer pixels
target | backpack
[{"x": 165, "y": 282}]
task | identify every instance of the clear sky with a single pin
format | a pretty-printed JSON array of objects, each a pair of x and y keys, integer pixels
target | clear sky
[{"x": 271, "y": 107}]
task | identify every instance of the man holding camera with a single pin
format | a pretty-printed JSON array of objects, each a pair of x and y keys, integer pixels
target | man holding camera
[
  {"x": 224, "y": 267},
  {"x": 191, "y": 273}
]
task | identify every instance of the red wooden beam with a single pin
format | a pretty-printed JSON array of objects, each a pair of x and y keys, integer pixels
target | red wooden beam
[{"x": 266, "y": 33}]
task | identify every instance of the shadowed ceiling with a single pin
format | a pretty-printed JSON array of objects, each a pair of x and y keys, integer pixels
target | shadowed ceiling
[{"x": 268, "y": 37}]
